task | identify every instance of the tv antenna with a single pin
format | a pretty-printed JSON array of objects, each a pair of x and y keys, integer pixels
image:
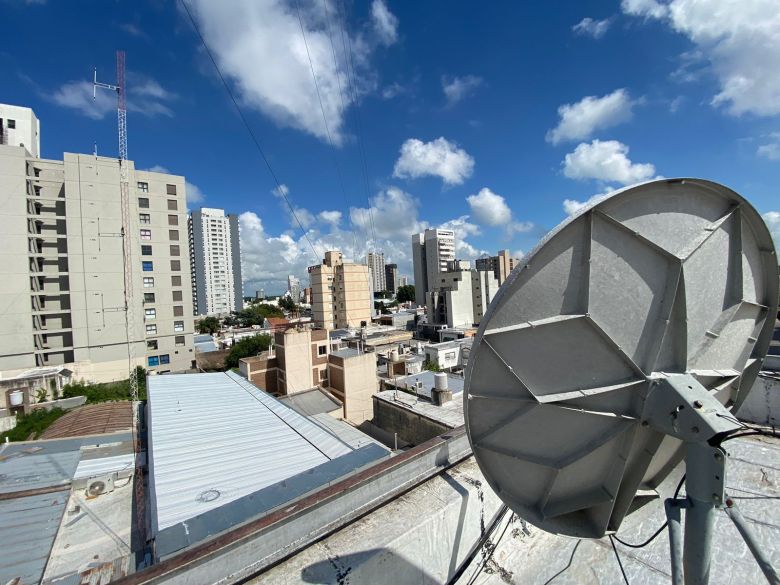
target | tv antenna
[{"x": 618, "y": 348}]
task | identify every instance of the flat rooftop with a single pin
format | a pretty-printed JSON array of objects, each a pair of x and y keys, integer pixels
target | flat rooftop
[
  {"x": 449, "y": 414},
  {"x": 214, "y": 438}
]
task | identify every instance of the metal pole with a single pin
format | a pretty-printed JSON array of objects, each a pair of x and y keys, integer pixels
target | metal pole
[
  {"x": 673, "y": 516},
  {"x": 747, "y": 535},
  {"x": 704, "y": 489}
]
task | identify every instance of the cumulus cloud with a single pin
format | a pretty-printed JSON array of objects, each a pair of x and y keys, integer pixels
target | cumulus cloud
[
  {"x": 592, "y": 28},
  {"x": 772, "y": 219},
  {"x": 457, "y": 88},
  {"x": 385, "y": 23},
  {"x": 739, "y": 40},
  {"x": 330, "y": 217},
  {"x": 489, "y": 208},
  {"x": 580, "y": 120},
  {"x": 573, "y": 206},
  {"x": 259, "y": 47},
  {"x": 438, "y": 158},
  {"x": 771, "y": 149},
  {"x": 145, "y": 96},
  {"x": 394, "y": 214},
  {"x": 605, "y": 161}
]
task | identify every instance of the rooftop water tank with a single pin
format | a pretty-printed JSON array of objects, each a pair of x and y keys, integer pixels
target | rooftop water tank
[{"x": 440, "y": 381}]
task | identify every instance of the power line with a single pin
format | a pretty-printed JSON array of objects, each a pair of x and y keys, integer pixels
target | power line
[{"x": 282, "y": 191}]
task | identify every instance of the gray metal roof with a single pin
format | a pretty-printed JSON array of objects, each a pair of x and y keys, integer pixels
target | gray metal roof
[
  {"x": 32, "y": 468},
  {"x": 353, "y": 437},
  {"x": 214, "y": 438},
  {"x": 311, "y": 402},
  {"x": 29, "y": 526}
]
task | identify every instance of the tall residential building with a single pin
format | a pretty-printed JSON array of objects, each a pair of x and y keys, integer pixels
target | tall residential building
[
  {"x": 294, "y": 288},
  {"x": 391, "y": 277},
  {"x": 341, "y": 295},
  {"x": 215, "y": 262},
  {"x": 461, "y": 295},
  {"x": 20, "y": 127},
  {"x": 403, "y": 281},
  {"x": 501, "y": 265},
  {"x": 431, "y": 251},
  {"x": 61, "y": 264},
  {"x": 376, "y": 269}
]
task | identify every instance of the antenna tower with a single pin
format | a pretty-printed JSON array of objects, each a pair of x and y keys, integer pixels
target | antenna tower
[{"x": 124, "y": 190}]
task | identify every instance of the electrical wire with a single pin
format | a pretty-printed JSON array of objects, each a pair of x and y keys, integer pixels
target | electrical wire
[
  {"x": 489, "y": 556},
  {"x": 617, "y": 556},
  {"x": 660, "y": 529},
  {"x": 280, "y": 189},
  {"x": 467, "y": 561}
]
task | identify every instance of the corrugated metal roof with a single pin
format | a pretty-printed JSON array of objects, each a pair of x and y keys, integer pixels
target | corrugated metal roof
[
  {"x": 32, "y": 469},
  {"x": 353, "y": 437},
  {"x": 104, "y": 465},
  {"x": 29, "y": 526},
  {"x": 214, "y": 438},
  {"x": 311, "y": 402}
]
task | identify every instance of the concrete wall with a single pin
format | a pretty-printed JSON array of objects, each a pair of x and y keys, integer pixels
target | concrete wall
[
  {"x": 762, "y": 405},
  {"x": 353, "y": 381},
  {"x": 211, "y": 360},
  {"x": 410, "y": 426},
  {"x": 27, "y": 131}
]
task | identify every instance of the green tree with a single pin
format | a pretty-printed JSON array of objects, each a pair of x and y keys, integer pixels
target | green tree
[
  {"x": 288, "y": 304},
  {"x": 31, "y": 426},
  {"x": 405, "y": 293},
  {"x": 108, "y": 392},
  {"x": 429, "y": 365},
  {"x": 208, "y": 325},
  {"x": 246, "y": 347},
  {"x": 256, "y": 314}
]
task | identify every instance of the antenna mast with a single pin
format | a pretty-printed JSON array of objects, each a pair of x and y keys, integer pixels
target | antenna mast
[{"x": 124, "y": 190}]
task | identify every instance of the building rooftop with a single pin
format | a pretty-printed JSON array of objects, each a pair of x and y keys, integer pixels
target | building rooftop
[
  {"x": 312, "y": 402},
  {"x": 92, "y": 419},
  {"x": 450, "y": 414},
  {"x": 352, "y": 436},
  {"x": 205, "y": 343},
  {"x": 346, "y": 353},
  {"x": 454, "y": 383},
  {"x": 214, "y": 438}
]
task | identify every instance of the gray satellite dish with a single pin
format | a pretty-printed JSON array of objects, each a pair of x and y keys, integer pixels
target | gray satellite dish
[{"x": 617, "y": 348}]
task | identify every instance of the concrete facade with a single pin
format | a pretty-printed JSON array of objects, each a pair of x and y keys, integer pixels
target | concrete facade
[
  {"x": 376, "y": 269},
  {"x": 353, "y": 381},
  {"x": 460, "y": 297},
  {"x": 500, "y": 265},
  {"x": 215, "y": 262},
  {"x": 20, "y": 127},
  {"x": 431, "y": 251},
  {"x": 61, "y": 261},
  {"x": 302, "y": 359},
  {"x": 341, "y": 295}
]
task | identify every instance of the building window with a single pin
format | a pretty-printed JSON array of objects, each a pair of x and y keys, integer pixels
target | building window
[
  {"x": 175, "y": 280},
  {"x": 165, "y": 359},
  {"x": 178, "y": 326},
  {"x": 150, "y": 314},
  {"x": 175, "y": 251},
  {"x": 146, "y": 234},
  {"x": 173, "y": 235},
  {"x": 151, "y": 329},
  {"x": 179, "y": 340},
  {"x": 173, "y": 220},
  {"x": 323, "y": 374},
  {"x": 153, "y": 361},
  {"x": 178, "y": 311},
  {"x": 173, "y": 205},
  {"x": 148, "y": 297},
  {"x": 143, "y": 202},
  {"x": 175, "y": 265},
  {"x": 148, "y": 281},
  {"x": 151, "y": 344},
  {"x": 177, "y": 296},
  {"x": 11, "y": 124},
  {"x": 146, "y": 250},
  {"x": 147, "y": 265},
  {"x": 322, "y": 350},
  {"x": 170, "y": 189},
  {"x": 450, "y": 355},
  {"x": 143, "y": 187}
]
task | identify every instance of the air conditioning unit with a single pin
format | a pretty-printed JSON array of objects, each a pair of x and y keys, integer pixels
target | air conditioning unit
[{"x": 102, "y": 484}]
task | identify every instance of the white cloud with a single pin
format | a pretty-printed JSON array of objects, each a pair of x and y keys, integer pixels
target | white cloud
[
  {"x": 771, "y": 149},
  {"x": 192, "y": 191},
  {"x": 740, "y": 41},
  {"x": 645, "y": 8},
  {"x": 393, "y": 90},
  {"x": 385, "y": 23},
  {"x": 438, "y": 158},
  {"x": 592, "y": 28},
  {"x": 580, "y": 120},
  {"x": 572, "y": 206},
  {"x": 259, "y": 47},
  {"x": 392, "y": 215},
  {"x": 457, "y": 88},
  {"x": 772, "y": 219},
  {"x": 330, "y": 217},
  {"x": 489, "y": 208},
  {"x": 605, "y": 161},
  {"x": 144, "y": 96}
]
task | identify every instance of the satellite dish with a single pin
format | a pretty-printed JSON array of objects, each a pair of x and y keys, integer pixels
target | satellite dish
[{"x": 617, "y": 348}]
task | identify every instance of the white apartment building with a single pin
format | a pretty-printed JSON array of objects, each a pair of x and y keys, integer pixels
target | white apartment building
[
  {"x": 431, "y": 251},
  {"x": 20, "y": 127},
  {"x": 376, "y": 270},
  {"x": 215, "y": 262},
  {"x": 61, "y": 264},
  {"x": 460, "y": 296},
  {"x": 500, "y": 265},
  {"x": 340, "y": 291},
  {"x": 294, "y": 288}
]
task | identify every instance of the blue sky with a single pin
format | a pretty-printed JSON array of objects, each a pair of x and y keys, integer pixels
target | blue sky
[{"x": 493, "y": 119}]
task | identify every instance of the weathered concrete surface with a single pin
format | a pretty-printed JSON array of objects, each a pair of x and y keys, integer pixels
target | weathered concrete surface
[{"x": 762, "y": 405}]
